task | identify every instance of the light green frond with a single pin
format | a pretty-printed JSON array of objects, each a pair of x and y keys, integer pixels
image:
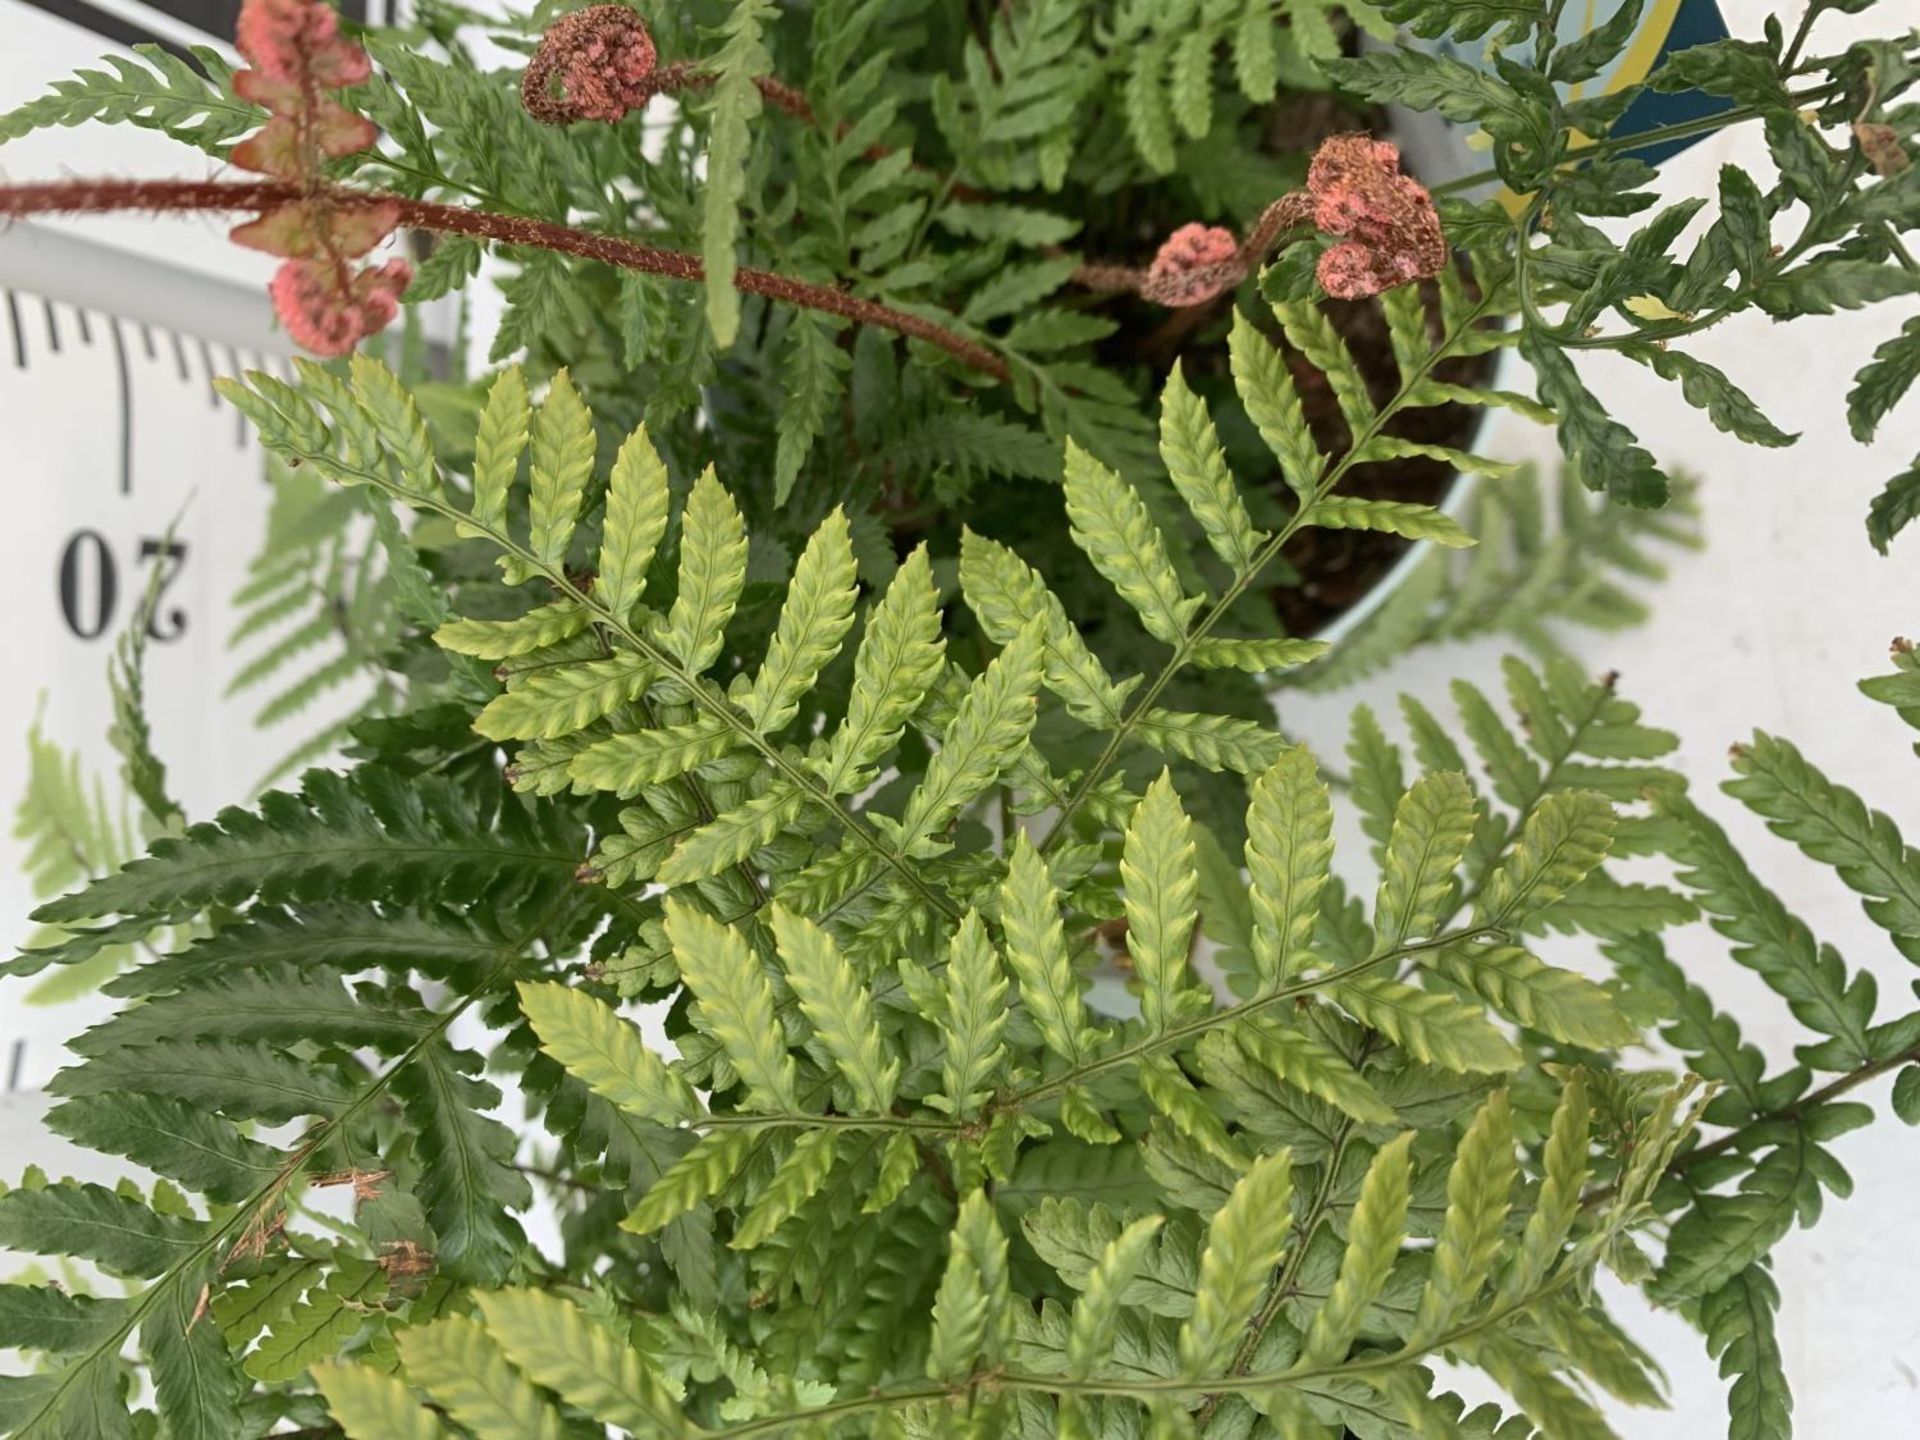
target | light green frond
[
  {"x": 1244, "y": 1242},
  {"x": 737, "y": 1002},
  {"x": 1289, "y": 859},
  {"x": 839, "y": 1007},
  {"x": 1111, "y": 524},
  {"x": 637, "y": 504},
  {"x": 1191, "y": 449},
  {"x": 560, "y": 461},
  {"x": 713, "y": 567},
  {"x": 1162, "y": 882},
  {"x": 606, "y": 1053}
]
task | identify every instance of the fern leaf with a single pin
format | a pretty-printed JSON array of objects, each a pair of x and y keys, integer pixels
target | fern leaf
[
  {"x": 730, "y": 838},
  {"x": 1148, "y": 119},
  {"x": 1391, "y": 517},
  {"x": 627, "y": 764},
  {"x": 898, "y": 660},
  {"x": 468, "y": 1375},
  {"x": 1479, "y": 1194},
  {"x": 1244, "y": 1241},
  {"x": 989, "y": 728},
  {"x": 813, "y": 384},
  {"x": 1831, "y": 824},
  {"x": 1179, "y": 1099},
  {"x": 1558, "y": 1003},
  {"x": 973, "y": 1020},
  {"x": 184, "y": 1142},
  {"x": 195, "y": 1389},
  {"x": 1037, "y": 951},
  {"x": 388, "y": 408},
  {"x": 1256, "y": 61},
  {"x": 1739, "y": 1321},
  {"x": 1289, "y": 859},
  {"x": 1431, "y": 827},
  {"x": 43, "y": 1318},
  {"x": 320, "y": 1325},
  {"x": 899, "y": 1163},
  {"x": 90, "y": 1222},
  {"x": 550, "y": 703},
  {"x": 369, "y": 1405},
  {"x": 1214, "y": 742},
  {"x": 1110, "y": 523},
  {"x": 1773, "y": 942},
  {"x": 637, "y": 504},
  {"x": 1312, "y": 334},
  {"x": 1006, "y": 594},
  {"x": 582, "y": 1360},
  {"x": 1162, "y": 883},
  {"x": 242, "y": 1081},
  {"x": 1434, "y": 1028},
  {"x": 1190, "y": 82},
  {"x": 737, "y": 1003},
  {"x": 560, "y": 462},
  {"x": 813, "y": 622},
  {"x": 367, "y": 832},
  {"x": 1090, "y": 1339},
  {"x": 1375, "y": 778},
  {"x": 1300, "y": 1060},
  {"x": 505, "y": 425},
  {"x": 1564, "y": 838},
  {"x": 1398, "y": 447},
  {"x": 1273, "y": 404},
  {"x": 1256, "y": 657},
  {"x": 713, "y": 567},
  {"x": 801, "y": 1176},
  {"x": 741, "y": 60},
  {"x": 509, "y": 639},
  {"x": 605, "y": 1053},
  {"x": 469, "y": 1182},
  {"x": 973, "y": 1310},
  {"x": 1558, "y": 1203},
  {"x": 839, "y": 1007},
  {"x": 697, "y": 1176},
  {"x": 245, "y": 1311},
  {"x": 192, "y": 101},
  {"x": 1374, "y": 1235},
  {"x": 1555, "y": 1406},
  {"x": 1191, "y": 449}
]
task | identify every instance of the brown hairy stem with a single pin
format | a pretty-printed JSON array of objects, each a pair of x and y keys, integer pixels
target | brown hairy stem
[{"x": 95, "y": 197}]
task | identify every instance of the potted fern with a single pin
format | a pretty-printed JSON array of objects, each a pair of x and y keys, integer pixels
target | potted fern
[{"x": 856, "y": 825}]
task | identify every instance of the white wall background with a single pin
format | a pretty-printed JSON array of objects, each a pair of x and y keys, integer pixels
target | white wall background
[{"x": 1770, "y": 627}]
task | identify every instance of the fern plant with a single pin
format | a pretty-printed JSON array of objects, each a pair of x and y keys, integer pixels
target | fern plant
[
  {"x": 881, "y": 1167},
  {"x": 791, "y": 959}
]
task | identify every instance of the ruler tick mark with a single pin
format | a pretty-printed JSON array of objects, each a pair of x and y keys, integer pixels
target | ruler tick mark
[
  {"x": 53, "y": 327},
  {"x": 126, "y": 405},
  {"x": 19, "y": 334},
  {"x": 146, "y": 340},
  {"x": 179, "y": 355},
  {"x": 86, "y": 330}
]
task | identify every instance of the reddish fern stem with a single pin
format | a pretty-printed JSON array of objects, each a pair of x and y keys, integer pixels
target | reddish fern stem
[{"x": 93, "y": 197}]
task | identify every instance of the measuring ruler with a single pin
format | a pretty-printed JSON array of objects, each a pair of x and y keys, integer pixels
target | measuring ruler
[
  {"x": 122, "y": 468},
  {"x": 119, "y": 460}
]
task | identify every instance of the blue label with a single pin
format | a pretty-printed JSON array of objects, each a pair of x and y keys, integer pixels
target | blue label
[{"x": 1665, "y": 26}]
